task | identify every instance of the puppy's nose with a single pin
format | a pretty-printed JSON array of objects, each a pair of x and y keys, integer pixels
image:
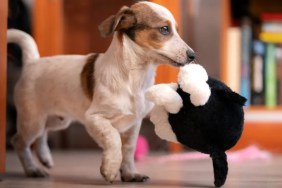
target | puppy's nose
[{"x": 190, "y": 56}]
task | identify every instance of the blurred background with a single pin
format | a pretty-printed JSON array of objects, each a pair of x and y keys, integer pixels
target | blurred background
[{"x": 235, "y": 40}]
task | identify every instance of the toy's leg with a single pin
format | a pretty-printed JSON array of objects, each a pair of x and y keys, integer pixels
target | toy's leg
[
  {"x": 128, "y": 170},
  {"x": 220, "y": 167}
]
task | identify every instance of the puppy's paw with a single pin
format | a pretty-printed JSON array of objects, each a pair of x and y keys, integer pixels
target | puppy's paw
[
  {"x": 47, "y": 163},
  {"x": 36, "y": 173},
  {"x": 46, "y": 160},
  {"x": 135, "y": 177},
  {"x": 108, "y": 176},
  {"x": 109, "y": 169}
]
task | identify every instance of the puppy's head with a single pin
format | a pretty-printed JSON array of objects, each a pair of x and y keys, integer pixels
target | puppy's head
[{"x": 154, "y": 29}]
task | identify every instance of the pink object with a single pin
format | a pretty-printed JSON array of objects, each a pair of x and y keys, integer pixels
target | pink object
[
  {"x": 142, "y": 148},
  {"x": 249, "y": 153}
]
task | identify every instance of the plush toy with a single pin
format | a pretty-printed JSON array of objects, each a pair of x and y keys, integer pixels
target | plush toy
[{"x": 201, "y": 113}]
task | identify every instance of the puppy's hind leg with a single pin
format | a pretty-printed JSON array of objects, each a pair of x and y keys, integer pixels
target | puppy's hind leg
[
  {"x": 128, "y": 170},
  {"x": 43, "y": 152},
  {"x": 29, "y": 130},
  {"x": 54, "y": 123}
]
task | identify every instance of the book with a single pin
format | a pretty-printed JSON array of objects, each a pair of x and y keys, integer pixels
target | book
[
  {"x": 272, "y": 37},
  {"x": 279, "y": 73},
  {"x": 271, "y": 16},
  {"x": 271, "y": 27},
  {"x": 257, "y": 95},
  {"x": 245, "y": 89},
  {"x": 274, "y": 27},
  {"x": 270, "y": 76},
  {"x": 234, "y": 58}
]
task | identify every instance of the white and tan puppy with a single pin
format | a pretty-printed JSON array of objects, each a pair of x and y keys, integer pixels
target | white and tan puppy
[{"x": 105, "y": 92}]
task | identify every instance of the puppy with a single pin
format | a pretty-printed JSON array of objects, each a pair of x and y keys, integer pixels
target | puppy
[{"x": 105, "y": 92}]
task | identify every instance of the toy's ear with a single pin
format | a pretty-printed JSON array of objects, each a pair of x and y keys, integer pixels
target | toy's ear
[
  {"x": 201, "y": 94},
  {"x": 190, "y": 75},
  {"x": 192, "y": 79},
  {"x": 166, "y": 96},
  {"x": 123, "y": 20}
]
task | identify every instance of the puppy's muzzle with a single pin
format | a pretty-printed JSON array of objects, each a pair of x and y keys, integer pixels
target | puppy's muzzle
[{"x": 191, "y": 56}]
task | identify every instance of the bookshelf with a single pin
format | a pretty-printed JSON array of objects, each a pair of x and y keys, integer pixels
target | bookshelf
[{"x": 263, "y": 124}]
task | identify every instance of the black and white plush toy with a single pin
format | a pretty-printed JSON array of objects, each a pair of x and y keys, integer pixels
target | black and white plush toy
[{"x": 201, "y": 113}]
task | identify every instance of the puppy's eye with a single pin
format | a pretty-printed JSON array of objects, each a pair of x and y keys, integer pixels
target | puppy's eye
[{"x": 165, "y": 30}]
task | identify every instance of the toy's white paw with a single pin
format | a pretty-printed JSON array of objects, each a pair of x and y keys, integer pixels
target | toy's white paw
[
  {"x": 166, "y": 96},
  {"x": 159, "y": 117}
]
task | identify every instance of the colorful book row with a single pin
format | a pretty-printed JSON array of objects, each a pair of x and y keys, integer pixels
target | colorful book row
[{"x": 254, "y": 66}]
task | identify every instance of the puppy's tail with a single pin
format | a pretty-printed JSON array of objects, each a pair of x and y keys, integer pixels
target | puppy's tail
[{"x": 26, "y": 43}]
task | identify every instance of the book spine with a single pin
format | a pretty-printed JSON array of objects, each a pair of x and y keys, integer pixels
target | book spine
[
  {"x": 270, "y": 76},
  {"x": 234, "y": 58},
  {"x": 258, "y": 73},
  {"x": 269, "y": 16},
  {"x": 271, "y": 37},
  {"x": 279, "y": 73},
  {"x": 275, "y": 27},
  {"x": 245, "y": 60}
]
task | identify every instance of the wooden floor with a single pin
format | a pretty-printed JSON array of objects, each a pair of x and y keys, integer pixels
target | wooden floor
[{"x": 81, "y": 169}]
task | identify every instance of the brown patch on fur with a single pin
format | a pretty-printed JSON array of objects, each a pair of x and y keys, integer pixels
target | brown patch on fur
[
  {"x": 120, "y": 36},
  {"x": 86, "y": 77},
  {"x": 146, "y": 32},
  {"x": 148, "y": 38},
  {"x": 106, "y": 28},
  {"x": 151, "y": 37},
  {"x": 124, "y": 19},
  {"x": 145, "y": 14}
]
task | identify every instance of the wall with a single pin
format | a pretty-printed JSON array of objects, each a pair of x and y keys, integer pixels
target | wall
[{"x": 202, "y": 22}]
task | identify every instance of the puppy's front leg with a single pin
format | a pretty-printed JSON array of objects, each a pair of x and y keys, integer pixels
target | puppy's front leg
[
  {"x": 109, "y": 139},
  {"x": 128, "y": 170}
]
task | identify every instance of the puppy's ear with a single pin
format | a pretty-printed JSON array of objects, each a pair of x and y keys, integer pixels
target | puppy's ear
[{"x": 123, "y": 20}]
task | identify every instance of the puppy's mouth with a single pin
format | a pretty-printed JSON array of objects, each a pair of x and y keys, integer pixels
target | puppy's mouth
[{"x": 172, "y": 62}]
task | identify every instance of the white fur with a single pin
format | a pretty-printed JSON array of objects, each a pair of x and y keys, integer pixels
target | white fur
[
  {"x": 192, "y": 79},
  {"x": 50, "y": 88},
  {"x": 166, "y": 96},
  {"x": 29, "y": 47}
]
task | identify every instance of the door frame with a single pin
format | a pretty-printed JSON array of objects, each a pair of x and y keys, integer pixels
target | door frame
[{"x": 3, "y": 82}]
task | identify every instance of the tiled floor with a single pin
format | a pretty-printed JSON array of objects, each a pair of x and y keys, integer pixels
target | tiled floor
[{"x": 81, "y": 169}]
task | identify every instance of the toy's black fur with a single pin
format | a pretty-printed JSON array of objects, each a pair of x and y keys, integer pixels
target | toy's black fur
[{"x": 212, "y": 128}]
